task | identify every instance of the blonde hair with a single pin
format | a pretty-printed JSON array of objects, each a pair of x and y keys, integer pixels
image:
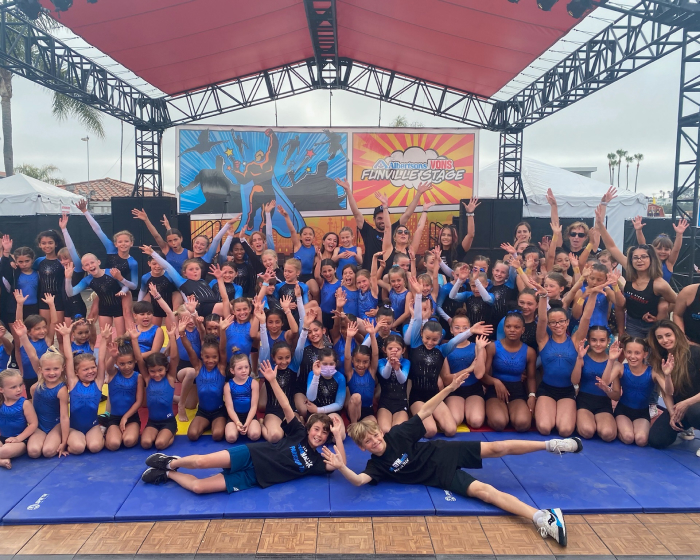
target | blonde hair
[
  {"x": 180, "y": 311},
  {"x": 123, "y": 232},
  {"x": 269, "y": 253},
  {"x": 52, "y": 354},
  {"x": 86, "y": 255},
  {"x": 6, "y": 374},
  {"x": 360, "y": 430},
  {"x": 296, "y": 263},
  {"x": 64, "y": 253},
  {"x": 84, "y": 357}
]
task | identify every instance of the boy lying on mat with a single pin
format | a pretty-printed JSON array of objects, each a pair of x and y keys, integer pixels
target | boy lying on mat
[
  {"x": 257, "y": 464},
  {"x": 399, "y": 456}
]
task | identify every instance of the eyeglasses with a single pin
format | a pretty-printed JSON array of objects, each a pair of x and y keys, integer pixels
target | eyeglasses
[
  {"x": 402, "y": 231},
  {"x": 640, "y": 257},
  {"x": 557, "y": 323},
  {"x": 578, "y": 234}
]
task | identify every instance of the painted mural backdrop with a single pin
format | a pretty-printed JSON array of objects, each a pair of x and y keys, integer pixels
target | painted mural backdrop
[{"x": 223, "y": 171}]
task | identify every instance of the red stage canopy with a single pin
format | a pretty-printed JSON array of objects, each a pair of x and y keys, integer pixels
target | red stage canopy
[{"x": 184, "y": 45}]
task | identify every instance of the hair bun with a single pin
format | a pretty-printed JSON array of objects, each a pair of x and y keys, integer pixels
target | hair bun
[{"x": 556, "y": 304}]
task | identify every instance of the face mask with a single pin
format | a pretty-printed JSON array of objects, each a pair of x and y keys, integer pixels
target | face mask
[{"x": 327, "y": 371}]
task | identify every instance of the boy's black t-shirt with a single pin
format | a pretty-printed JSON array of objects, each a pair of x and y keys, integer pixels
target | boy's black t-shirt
[
  {"x": 409, "y": 461},
  {"x": 290, "y": 458}
]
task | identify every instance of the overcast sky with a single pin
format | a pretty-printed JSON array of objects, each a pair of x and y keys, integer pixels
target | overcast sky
[{"x": 637, "y": 114}]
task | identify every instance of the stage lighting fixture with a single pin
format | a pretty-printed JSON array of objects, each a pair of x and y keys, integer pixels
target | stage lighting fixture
[
  {"x": 92, "y": 1},
  {"x": 30, "y": 8},
  {"x": 546, "y": 5},
  {"x": 577, "y": 8},
  {"x": 513, "y": 1},
  {"x": 62, "y": 5}
]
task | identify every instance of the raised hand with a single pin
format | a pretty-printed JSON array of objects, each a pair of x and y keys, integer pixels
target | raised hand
[
  {"x": 266, "y": 370},
  {"x": 668, "y": 364},
  {"x": 381, "y": 197},
  {"x": 165, "y": 222},
  {"x": 370, "y": 329},
  {"x": 61, "y": 328},
  {"x": 340, "y": 298},
  {"x": 545, "y": 243},
  {"x": 351, "y": 329},
  {"x": 139, "y": 214},
  {"x": 113, "y": 349},
  {"x": 681, "y": 226},
  {"x": 226, "y": 322},
  {"x": 481, "y": 328},
  {"x": 336, "y": 426},
  {"x": 637, "y": 223},
  {"x": 282, "y": 212},
  {"x": 471, "y": 205},
  {"x": 6, "y": 243},
  {"x": 19, "y": 328},
  {"x": 508, "y": 248},
  {"x": 310, "y": 317},
  {"x": 106, "y": 333},
  {"x": 582, "y": 349},
  {"x": 335, "y": 460},
  {"x": 153, "y": 291},
  {"x": 63, "y": 221},
  {"x": 20, "y": 297},
  {"x": 415, "y": 285},
  {"x": 428, "y": 205},
  {"x": 482, "y": 341},
  {"x": 286, "y": 302},
  {"x": 424, "y": 188},
  {"x": 82, "y": 205},
  {"x": 342, "y": 183},
  {"x": 551, "y": 199},
  {"x": 191, "y": 304},
  {"x": 146, "y": 249},
  {"x": 48, "y": 299},
  {"x": 215, "y": 271},
  {"x": 573, "y": 259},
  {"x": 614, "y": 351},
  {"x": 608, "y": 196}
]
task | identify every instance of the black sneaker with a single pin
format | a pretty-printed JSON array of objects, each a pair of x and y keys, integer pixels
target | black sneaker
[
  {"x": 155, "y": 476},
  {"x": 160, "y": 461}
]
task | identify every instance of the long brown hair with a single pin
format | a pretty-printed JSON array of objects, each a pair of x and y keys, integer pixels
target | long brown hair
[
  {"x": 681, "y": 354},
  {"x": 654, "y": 264}
]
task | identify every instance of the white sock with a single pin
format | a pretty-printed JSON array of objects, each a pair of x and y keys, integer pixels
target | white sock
[
  {"x": 548, "y": 445},
  {"x": 168, "y": 467},
  {"x": 538, "y": 516}
]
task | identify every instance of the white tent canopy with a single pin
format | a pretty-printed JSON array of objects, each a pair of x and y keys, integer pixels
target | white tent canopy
[
  {"x": 577, "y": 196},
  {"x": 25, "y": 196}
]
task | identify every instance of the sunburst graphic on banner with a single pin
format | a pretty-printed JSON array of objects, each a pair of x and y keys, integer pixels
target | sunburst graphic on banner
[{"x": 369, "y": 148}]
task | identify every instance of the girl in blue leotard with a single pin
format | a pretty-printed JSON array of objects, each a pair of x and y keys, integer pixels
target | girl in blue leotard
[
  {"x": 327, "y": 279},
  {"x": 631, "y": 384},
  {"x": 171, "y": 246},
  {"x": 274, "y": 322},
  {"x": 84, "y": 381},
  {"x": 26, "y": 280},
  {"x": 556, "y": 396},
  {"x": 50, "y": 400},
  {"x": 361, "y": 374},
  {"x": 367, "y": 296},
  {"x": 304, "y": 251},
  {"x": 40, "y": 335},
  {"x": 352, "y": 294},
  {"x": 241, "y": 400},
  {"x": 150, "y": 337},
  {"x": 397, "y": 289},
  {"x": 467, "y": 402},
  {"x": 82, "y": 337},
  {"x": 210, "y": 379},
  {"x": 18, "y": 420},
  {"x": 160, "y": 375},
  {"x": 346, "y": 253},
  {"x": 126, "y": 391}
]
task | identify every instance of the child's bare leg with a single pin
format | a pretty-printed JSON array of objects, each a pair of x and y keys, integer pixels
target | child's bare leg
[
  {"x": 148, "y": 437},
  {"x": 399, "y": 418},
  {"x": 164, "y": 439},
  {"x": 474, "y": 411},
  {"x": 94, "y": 439},
  {"x": 35, "y": 443},
  {"x": 254, "y": 431},
  {"x": 354, "y": 407},
  {"x": 429, "y": 422},
  {"x": 76, "y": 442},
  {"x": 214, "y": 483},
  {"x": 197, "y": 427},
  {"x": 52, "y": 442},
  {"x": 231, "y": 432},
  {"x": 384, "y": 419},
  {"x": 217, "y": 429},
  {"x": 272, "y": 428},
  {"x": 456, "y": 406},
  {"x": 130, "y": 437},
  {"x": 113, "y": 438},
  {"x": 186, "y": 377},
  {"x": 511, "y": 504}
]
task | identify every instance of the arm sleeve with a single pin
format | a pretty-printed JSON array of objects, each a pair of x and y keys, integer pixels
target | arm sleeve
[
  {"x": 106, "y": 241},
  {"x": 448, "y": 347},
  {"x": 264, "y": 344},
  {"x": 302, "y": 312},
  {"x": 253, "y": 259},
  {"x": 37, "y": 262},
  {"x": 366, "y": 342},
  {"x": 75, "y": 290},
  {"x": 446, "y": 269},
  {"x": 174, "y": 275},
  {"x": 339, "y": 396},
  {"x": 402, "y": 374},
  {"x": 299, "y": 351},
  {"x": 215, "y": 243},
  {"x": 71, "y": 249},
  {"x": 134, "y": 274},
  {"x": 268, "y": 231},
  {"x": 225, "y": 248},
  {"x": 384, "y": 368},
  {"x": 487, "y": 297},
  {"x": 312, "y": 386},
  {"x": 512, "y": 275},
  {"x": 442, "y": 313},
  {"x": 143, "y": 292},
  {"x": 417, "y": 320},
  {"x": 455, "y": 293}
]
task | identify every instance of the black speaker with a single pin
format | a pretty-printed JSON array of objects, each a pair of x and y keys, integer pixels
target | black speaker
[
  {"x": 155, "y": 207},
  {"x": 652, "y": 229}
]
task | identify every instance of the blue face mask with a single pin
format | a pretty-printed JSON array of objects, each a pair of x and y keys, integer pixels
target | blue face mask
[{"x": 327, "y": 371}]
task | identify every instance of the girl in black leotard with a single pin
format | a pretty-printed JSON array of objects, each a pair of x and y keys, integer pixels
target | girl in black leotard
[
  {"x": 51, "y": 273},
  {"x": 687, "y": 312}
]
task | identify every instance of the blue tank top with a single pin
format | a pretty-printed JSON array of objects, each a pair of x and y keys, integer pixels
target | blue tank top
[
  {"x": 352, "y": 305},
  {"x": 47, "y": 406},
  {"x": 667, "y": 274},
  {"x": 238, "y": 339},
  {"x": 509, "y": 366},
  {"x": 636, "y": 389},
  {"x": 364, "y": 385},
  {"x": 12, "y": 420},
  {"x": 122, "y": 393},
  {"x": 29, "y": 284},
  {"x": 328, "y": 296},
  {"x": 83, "y": 348},
  {"x": 146, "y": 338},
  {"x": 177, "y": 260},
  {"x": 27, "y": 370},
  {"x": 210, "y": 389},
  {"x": 241, "y": 395},
  {"x": 600, "y": 313},
  {"x": 398, "y": 302},
  {"x": 366, "y": 302},
  {"x": 195, "y": 341},
  {"x": 159, "y": 397},
  {"x": 558, "y": 361},
  {"x": 462, "y": 358},
  {"x": 84, "y": 402},
  {"x": 306, "y": 255},
  {"x": 342, "y": 263},
  {"x": 589, "y": 371},
  {"x": 339, "y": 348}
]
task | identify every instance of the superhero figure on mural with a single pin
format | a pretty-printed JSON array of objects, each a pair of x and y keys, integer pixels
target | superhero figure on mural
[
  {"x": 335, "y": 144},
  {"x": 260, "y": 172},
  {"x": 313, "y": 190},
  {"x": 221, "y": 194},
  {"x": 289, "y": 147},
  {"x": 239, "y": 142}
]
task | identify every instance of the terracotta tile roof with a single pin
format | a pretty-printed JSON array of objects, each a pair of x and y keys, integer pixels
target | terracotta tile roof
[{"x": 104, "y": 189}]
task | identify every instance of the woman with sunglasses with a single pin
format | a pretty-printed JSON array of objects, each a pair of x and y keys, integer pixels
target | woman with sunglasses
[
  {"x": 401, "y": 241},
  {"x": 645, "y": 286}
]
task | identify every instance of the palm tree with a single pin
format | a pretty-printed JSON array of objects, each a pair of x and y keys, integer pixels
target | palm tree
[
  {"x": 628, "y": 160},
  {"x": 639, "y": 158},
  {"x": 63, "y": 106},
  {"x": 612, "y": 162},
  {"x": 620, "y": 156},
  {"x": 43, "y": 173},
  {"x": 402, "y": 122}
]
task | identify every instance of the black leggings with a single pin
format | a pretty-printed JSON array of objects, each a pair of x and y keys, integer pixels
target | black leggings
[{"x": 662, "y": 435}]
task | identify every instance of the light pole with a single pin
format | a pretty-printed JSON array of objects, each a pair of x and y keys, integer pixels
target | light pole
[{"x": 87, "y": 143}]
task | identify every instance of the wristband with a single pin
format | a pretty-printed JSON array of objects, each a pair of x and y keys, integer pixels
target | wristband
[
  {"x": 520, "y": 270},
  {"x": 616, "y": 288},
  {"x": 581, "y": 301},
  {"x": 603, "y": 203},
  {"x": 555, "y": 237},
  {"x": 158, "y": 298},
  {"x": 532, "y": 395},
  {"x": 576, "y": 269},
  {"x": 589, "y": 246},
  {"x": 469, "y": 214},
  {"x": 265, "y": 284}
]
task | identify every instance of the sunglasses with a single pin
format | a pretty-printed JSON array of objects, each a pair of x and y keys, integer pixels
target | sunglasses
[
  {"x": 402, "y": 231},
  {"x": 578, "y": 234}
]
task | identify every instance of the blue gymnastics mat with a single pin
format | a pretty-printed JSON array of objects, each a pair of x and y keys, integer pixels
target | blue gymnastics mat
[
  {"x": 657, "y": 482},
  {"x": 82, "y": 488},
  {"x": 25, "y": 474},
  {"x": 494, "y": 472},
  {"x": 386, "y": 498},
  {"x": 570, "y": 481},
  {"x": 685, "y": 453}
]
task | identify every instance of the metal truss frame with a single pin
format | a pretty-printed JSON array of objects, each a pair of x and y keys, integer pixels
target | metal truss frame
[
  {"x": 510, "y": 160},
  {"x": 323, "y": 26},
  {"x": 687, "y": 176},
  {"x": 149, "y": 179}
]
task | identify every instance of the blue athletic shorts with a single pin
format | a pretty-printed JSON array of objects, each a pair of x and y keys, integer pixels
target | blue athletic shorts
[{"x": 240, "y": 475}]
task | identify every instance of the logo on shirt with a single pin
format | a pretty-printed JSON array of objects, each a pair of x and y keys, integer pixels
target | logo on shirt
[
  {"x": 400, "y": 463},
  {"x": 300, "y": 455}
]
